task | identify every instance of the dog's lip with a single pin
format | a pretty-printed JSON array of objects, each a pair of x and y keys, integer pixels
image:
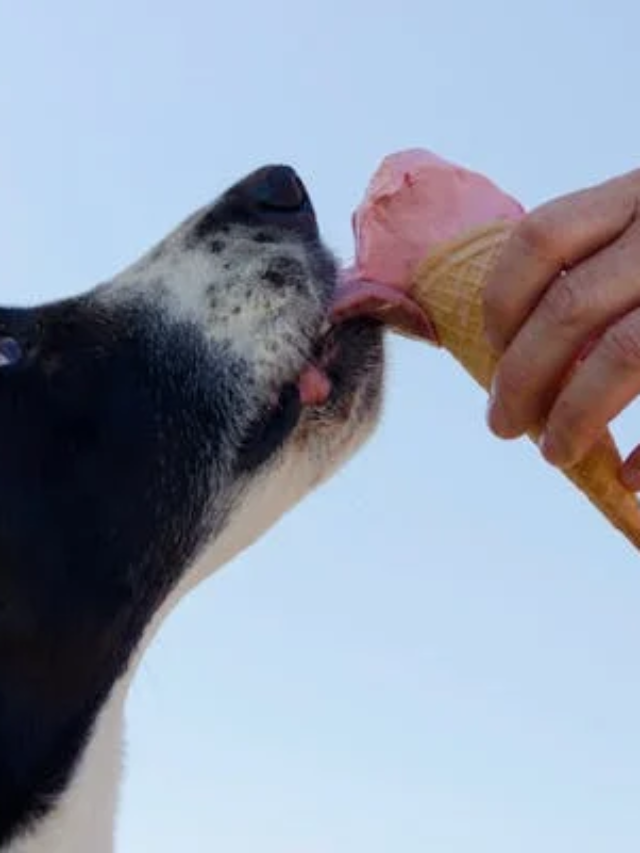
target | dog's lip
[{"x": 358, "y": 297}]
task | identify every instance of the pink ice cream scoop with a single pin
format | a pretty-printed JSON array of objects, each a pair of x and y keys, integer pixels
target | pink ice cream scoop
[{"x": 414, "y": 201}]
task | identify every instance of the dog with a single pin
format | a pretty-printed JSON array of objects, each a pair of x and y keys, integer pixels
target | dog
[{"x": 150, "y": 430}]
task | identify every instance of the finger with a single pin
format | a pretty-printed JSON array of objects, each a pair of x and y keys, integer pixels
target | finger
[
  {"x": 553, "y": 238},
  {"x": 607, "y": 381},
  {"x": 575, "y": 308},
  {"x": 630, "y": 474}
]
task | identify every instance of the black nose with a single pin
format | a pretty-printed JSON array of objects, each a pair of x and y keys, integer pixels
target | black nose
[
  {"x": 273, "y": 196},
  {"x": 276, "y": 188}
]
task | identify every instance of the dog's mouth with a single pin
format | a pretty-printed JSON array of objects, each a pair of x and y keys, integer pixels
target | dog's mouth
[
  {"x": 337, "y": 365},
  {"x": 358, "y": 299},
  {"x": 315, "y": 383},
  {"x": 332, "y": 370}
]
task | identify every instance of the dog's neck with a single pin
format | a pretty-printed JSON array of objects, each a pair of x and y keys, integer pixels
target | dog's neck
[{"x": 84, "y": 817}]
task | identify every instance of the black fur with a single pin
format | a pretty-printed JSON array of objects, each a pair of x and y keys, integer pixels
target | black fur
[
  {"x": 106, "y": 438},
  {"x": 118, "y": 459}
]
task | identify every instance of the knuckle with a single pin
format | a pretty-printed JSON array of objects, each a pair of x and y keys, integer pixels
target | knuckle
[
  {"x": 572, "y": 429},
  {"x": 540, "y": 236},
  {"x": 565, "y": 421},
  {"x": 631, "y": 181},
  {"x": 566, "y": 303},
  {"x": 622, "y": 343}
]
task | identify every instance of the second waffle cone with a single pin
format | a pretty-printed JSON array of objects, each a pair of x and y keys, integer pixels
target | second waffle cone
[{"x": 449, "y": 286}]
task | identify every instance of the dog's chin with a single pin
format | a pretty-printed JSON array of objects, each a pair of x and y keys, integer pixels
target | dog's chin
[{"x": 348, "y": 364}]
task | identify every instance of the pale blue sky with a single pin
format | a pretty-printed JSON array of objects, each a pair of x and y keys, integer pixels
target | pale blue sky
[{"x": 440, "y": 651}]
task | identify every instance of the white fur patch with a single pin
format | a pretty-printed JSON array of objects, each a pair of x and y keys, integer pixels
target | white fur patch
[
  {"x": 228, "y": 296},
  {"x": 83, "y": 820}
]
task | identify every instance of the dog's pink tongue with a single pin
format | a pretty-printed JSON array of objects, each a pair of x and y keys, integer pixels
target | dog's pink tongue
[
  {"x": 357, "y": 297},
  {"x": 314, "y": 386},
  {"x": 414, "y": 201}
]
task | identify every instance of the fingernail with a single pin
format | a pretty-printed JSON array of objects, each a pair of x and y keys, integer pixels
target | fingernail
[
  {"x": 549, "y": 449},
  {"x": 492, "y": 392},
  {"x": 491, "y": 406},
  {"x": 497, "y": 419},
  {"x": 544, "y": 446}
]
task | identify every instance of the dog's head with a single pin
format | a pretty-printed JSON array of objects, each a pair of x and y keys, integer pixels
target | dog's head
[{"x": 152, "y": 428}]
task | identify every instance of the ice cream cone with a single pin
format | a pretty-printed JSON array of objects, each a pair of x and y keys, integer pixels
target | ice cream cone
[{"x": 449, "y": 285}]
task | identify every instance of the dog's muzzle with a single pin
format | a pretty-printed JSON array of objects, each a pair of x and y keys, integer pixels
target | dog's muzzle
[{"x": 278, "y": 197}]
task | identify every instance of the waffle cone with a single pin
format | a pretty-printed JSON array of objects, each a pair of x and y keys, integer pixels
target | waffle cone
[{"x": 449, "y": 285}]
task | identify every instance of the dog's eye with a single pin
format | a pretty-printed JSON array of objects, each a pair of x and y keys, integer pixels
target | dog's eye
[{"x": 10, "y": 351}]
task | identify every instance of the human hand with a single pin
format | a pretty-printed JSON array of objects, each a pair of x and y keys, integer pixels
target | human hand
[{"x": 562, "y": 310}]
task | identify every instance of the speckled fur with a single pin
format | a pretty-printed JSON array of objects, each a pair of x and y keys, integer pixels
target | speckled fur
[{"x": 262, "y": 300}]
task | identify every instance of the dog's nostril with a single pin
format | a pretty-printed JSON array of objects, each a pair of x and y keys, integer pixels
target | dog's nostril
[{"x": 278, "y": 188}]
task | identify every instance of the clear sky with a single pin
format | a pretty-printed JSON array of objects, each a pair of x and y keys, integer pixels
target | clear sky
[{"x": 439, "y": 651}]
